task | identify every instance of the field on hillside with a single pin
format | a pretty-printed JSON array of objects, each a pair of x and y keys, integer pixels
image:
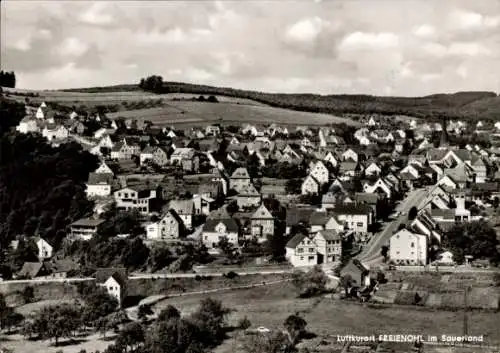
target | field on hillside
[
  {"x": 269, "y": 307},
  {"x": 182, "y": 112},
  {"x": 117, "y": 97}
]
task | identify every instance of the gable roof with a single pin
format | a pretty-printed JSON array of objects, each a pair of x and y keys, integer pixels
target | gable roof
[
  {"x": 32, "y": 269},
  {"x": 329, "y": 234},
  {"x": 119, "y": 274},
  {"x": 262, "y": 213},
  {"x": 240, "y": 173},
  {"x": 182, "y": 207},
  {"x": 230, "y": 223},
  {"x": 296, "y": 240},
  {"x": 100, "y": 178}
]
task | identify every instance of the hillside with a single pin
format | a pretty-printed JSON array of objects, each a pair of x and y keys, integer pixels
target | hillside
[{"x": 473, "y": 105}]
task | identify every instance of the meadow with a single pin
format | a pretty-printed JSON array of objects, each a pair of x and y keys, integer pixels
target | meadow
[
  {"x": 269, "y": 306},
  {"x": 187, "y": 112}
]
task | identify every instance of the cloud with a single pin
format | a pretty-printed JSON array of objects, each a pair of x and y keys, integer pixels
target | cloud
[
  {"x": 467, "y": 20},
  {"x": 424, "y": 31},
  {"x": 305, "y": 30},
  {"x": 97, "y": 15},
  {"x": 459, "y": 49},
  {"x": 408, "y": 48},
  {"x": 362, "y": 40},
  {"x": 72, "y": 47}
]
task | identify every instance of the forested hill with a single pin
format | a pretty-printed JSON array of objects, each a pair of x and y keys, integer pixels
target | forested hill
[
  {"x": 473, "y": 105},
  {"x": 42, "y": 187}
]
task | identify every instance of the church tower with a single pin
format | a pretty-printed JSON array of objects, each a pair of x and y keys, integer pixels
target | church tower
[{"x": 444, "y": 134}]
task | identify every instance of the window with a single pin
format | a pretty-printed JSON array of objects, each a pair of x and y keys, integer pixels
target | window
[
  {"x": 397, "y": 252},
  {"x": 360, "y": 224},
  {"x": 311, "y": 249},
  {"x": 300, "y": 250},
  {"x": 311, "y": 258},
  {"x": 412, "y": 245},
  {"x": 302, "y": 258}
]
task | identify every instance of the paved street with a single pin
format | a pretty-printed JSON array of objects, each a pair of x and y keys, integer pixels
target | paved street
[{"x": 371, "y": 251}]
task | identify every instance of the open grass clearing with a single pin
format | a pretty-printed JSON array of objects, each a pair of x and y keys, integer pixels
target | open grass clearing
[
  {"x": 185, "y": 111},
  {"x": 269, "y": 306}
]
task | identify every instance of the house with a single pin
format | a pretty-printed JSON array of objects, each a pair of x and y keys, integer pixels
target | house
[
  {"x": 167, "y": 227},
  {"x": 185, "y": 210},
  {"x": 217, "y": 228},
  {"x": 136, "y": 197},
  {"x": 262, "y": 223},
  {"x": 350, "y": 154},
  {"x": 425, "y": 224},
  {"x": 115, "y": 281},
  {"x": 45, "y": 250},
  {"x": 320, "y": 172},
  {"x": 356, "y": 217},
  {"x": 184, "y": 157},
  {"x": 154, "y": 154},
  {"x": 301, "y": 251},
  {"x": 328, "y": 246},
  {"x": 202, "y": 204},
  {"x": 27, "y": 124},
  {"x": 248, "y": 196},
  {"x": 85, "y": 228},
  {"x": 125, "y": 150},
  {"x": 104, "y": 169},
  {"x": 408, "y": 248},
  {"x": 55, "y": 132},
  {"x": 380, "y": 186},
  {"x": 310, "y": 186},
  {"x": 211, "y": 189},
  {"x": 99, "y": 184},
  {"x": 349, "y": 168},
  {"x": 373, "y": 169},
  {"x": 212, "y": 130},
  {"x": 239, "y": 179}
]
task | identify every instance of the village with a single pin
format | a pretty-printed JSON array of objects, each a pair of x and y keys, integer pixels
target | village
[{"x": 394, "y": 211}]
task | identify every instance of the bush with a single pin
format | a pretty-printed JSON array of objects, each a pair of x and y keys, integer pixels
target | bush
[
  {"x": 244, "y": 323},
  {"x": 231, "y": 275}
]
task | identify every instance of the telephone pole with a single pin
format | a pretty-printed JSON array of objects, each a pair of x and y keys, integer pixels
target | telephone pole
[{"x": 466, "y": 314}]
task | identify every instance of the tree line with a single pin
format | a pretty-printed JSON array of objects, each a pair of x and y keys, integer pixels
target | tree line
[{"x": 8, "y": 79}]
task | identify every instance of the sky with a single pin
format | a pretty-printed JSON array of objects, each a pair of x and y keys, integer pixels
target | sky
[{"x": 382, "y": 47}]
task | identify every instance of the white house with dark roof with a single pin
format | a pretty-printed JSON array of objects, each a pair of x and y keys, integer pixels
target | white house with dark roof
[
  {"x": 320, "y": 172},
  {"x": 99, "y": 184},
  {"x": 45, "y": 250},
  {"x": 135, "y": 197},
  {"x": 328, "y": 246},
  {"x": 114, "y": 281},
  {"x": 239, "y": 179},
  {"x": 154, "y": 154},
  {"x": 301, "y": 251},
  {"x": 408, "y": 248},
  {"x": 217, "y": 228},
  {"x": 167, "y": 228}
]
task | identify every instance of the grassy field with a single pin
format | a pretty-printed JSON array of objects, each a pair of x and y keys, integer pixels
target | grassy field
[
  {"x": 185, "y": 112},
  {"x": 111, "y": 97},
  {"x": 269, "y": 306}
]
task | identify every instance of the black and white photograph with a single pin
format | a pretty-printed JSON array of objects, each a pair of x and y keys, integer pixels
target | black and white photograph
[{"x": 250, "y": 176}]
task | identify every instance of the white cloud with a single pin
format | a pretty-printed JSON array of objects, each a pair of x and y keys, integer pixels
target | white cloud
[
  {"x": 459, "y": 48},
  {"x": 223, "y": 15},
  {"x": 362, "y": 40},
  {"x": 472, "y": 20},
  {"x": 72, "y": 46},
  {"x": 175, "y": 35},
  {"x": 462, "y": 71},
  {"x": 96, "y": 15},
  {"x": 424, "y": 31},
  {"x": 305, "y": 30},
  {"x": 429, "y": 77},
  {"x": 23, "y": 44},
  {"x": 197, "y": 75}
]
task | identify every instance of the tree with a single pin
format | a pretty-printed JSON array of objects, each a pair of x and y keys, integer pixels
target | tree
[
  {"x": 384, "y": 251},
  {"x": 144, "y": 311},
  {"x": 56, "y": 322},
  {"x": 477, "y": 239},
  {"x": 295, "y": 326},
  {"x": 346, "y": 282},
  {"x": 232, "y": 207},
  {"x": 310, "y": 283},
  {"x": 10, "y": 319},
  {"x": 170, "y": 312},
  {"x": 244, "y": 323},
  {"x": 98, "y": 304},
  {"x": 28, "y": 294},
  {"x": 275, "y": 342},
  {"x": 7, "y": 79},
  {"x": 212, "y": 99},
  {"x": 229, "y": 250},
  {"x": 131, "y": 336},
  {"x": 210, "y": 318},
  {"x": 412, "y": 214}
]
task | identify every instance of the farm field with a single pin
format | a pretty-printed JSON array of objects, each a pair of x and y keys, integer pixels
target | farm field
[
  {"x": 269, "y": 307},
  {"x": 112, "y": 97},
  {"x": 185, "y": 112}
]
